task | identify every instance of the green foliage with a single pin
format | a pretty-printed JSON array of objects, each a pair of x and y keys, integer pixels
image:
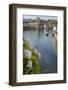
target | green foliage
[
  {"x": 36, "y": 67},
  {"x": 34, "y": 58},
  {"x": 26, "y": 45}
]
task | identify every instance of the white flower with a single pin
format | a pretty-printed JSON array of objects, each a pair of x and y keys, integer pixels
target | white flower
[
  {"x": 29, "y": 64},
  {"x": 30, "y": 45},
  {"x": 39, "y": 55},
  {"x": 27, "y": 53},
  {"x": 35, "y": 51}
]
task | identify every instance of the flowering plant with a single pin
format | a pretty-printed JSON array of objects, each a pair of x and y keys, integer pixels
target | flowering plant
[{"x": 31, "y": 59}]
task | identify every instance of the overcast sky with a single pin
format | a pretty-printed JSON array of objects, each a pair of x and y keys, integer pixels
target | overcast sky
[{"x": 40, "y": 16}]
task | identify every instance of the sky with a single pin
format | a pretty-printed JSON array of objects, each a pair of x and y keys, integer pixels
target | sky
[{"x": 40, "y": 16}]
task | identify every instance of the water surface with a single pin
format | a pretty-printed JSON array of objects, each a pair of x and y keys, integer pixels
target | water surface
[{"x": 45, "y": 43}]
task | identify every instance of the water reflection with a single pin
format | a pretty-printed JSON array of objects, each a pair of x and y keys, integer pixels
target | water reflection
[{"x": 46, "y": 44}]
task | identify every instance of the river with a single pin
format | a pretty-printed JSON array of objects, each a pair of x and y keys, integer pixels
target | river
[{"x": 46, "y": 44}]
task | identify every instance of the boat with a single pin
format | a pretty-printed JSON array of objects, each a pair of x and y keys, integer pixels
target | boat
[{"x": 46, "y": 33}]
